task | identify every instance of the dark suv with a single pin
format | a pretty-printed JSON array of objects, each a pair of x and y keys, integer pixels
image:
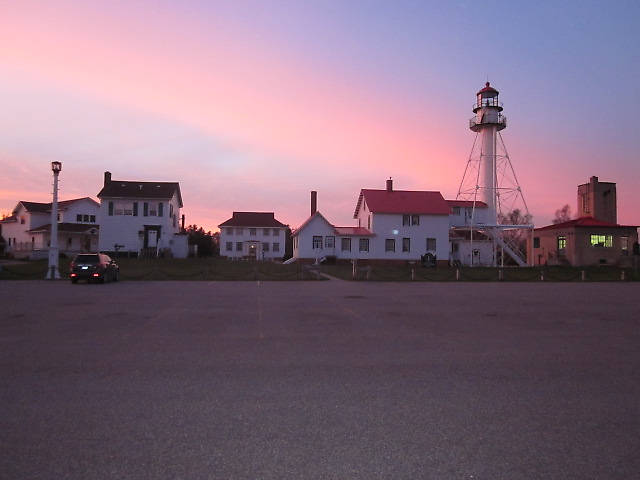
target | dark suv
[{"x": 93, "y": 267}]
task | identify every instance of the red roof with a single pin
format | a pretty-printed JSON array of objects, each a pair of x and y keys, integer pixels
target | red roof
[
  {"x": 487, "y": 88},
  {"x": 403, "y": 201},
  {"x": 359, "y": 231},
  {"x": 584, "y": 222},
  {"x": 253, "y": 219},
  {"x": 466, "y": 203}
]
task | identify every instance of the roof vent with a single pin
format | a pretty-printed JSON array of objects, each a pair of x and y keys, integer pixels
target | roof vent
[
  {"x": 140, "y": 186},
  {"x": 123, "y": 184}
]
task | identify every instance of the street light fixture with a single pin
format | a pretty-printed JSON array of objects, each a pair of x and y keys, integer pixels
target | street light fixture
[{"x": 53, "y": 272}]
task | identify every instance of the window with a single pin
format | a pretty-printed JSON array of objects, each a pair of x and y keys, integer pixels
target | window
[
  {"x": 239, "y": 246},
  {"x": 456, "y": 210},
  {"x": 229, "y": 231},
  {"x": 92, "y": 218},
  {"x": 276, "y": 247},
  {"x": 406, "y": 220},
  {"x": 229, "y": 246},
  {"x": 265, "y": 247},
  {"x": 145, "y": 209},
  {"x": 252, "y": 232},
  {"x": 330, "y": 242},
  {"x": 536, "y": 242},
  {"x": 390, "y": 245},
  {"x": 364, "y": 245},
  {"x": 135, "y": 209},
  {"x": 406, "y": 244},
  {"x": 275, "y": 232},
  {"x": 160, "y": 209},
  {"x": 601, "y": 241},
  {"x": 266, "y": 232},
  {"x": 78, "y": 218},
  {"x": 21, "y": 220},
  {"x": 431, "y": 244},
  {"x": 346, "y": 244},
  {"x": 369, "y": 222},
  {"x": 562, "y": 244},
  {"x": 69, "y": 242},
  {"x": 624, "y": 245},
  {"x": 123, "y": 208},
  {"x": 110, "y": 208},
  {"x": 415, "y": 219},
  {"x": 239, "y": 231},
  {"x": 317, "y": 242}
]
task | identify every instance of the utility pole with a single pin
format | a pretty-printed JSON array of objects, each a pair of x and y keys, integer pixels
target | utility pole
[{"x": 52, "y": 271}]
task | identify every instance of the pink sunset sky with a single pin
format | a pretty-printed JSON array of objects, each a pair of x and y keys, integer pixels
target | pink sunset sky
[{"x": 250, "y": 105}]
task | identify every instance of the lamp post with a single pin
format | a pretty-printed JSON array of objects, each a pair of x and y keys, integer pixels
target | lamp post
[{"x": 52, "y": 271}]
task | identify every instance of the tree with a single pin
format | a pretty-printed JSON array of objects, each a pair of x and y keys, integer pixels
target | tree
[
  {"x": 562, "y": 214},
  {"x": 204, "y": 241}
]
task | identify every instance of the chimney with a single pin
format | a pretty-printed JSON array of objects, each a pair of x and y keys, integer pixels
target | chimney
[
  {"x": 314, "y": 202},
  {"x": 389, "y": 185},
  {"x": 107, "y": 178},
  {"x": 183, "y": 222}
]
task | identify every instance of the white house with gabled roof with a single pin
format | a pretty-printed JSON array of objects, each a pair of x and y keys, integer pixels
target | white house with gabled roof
[
  {"x": 393, "y": 225},
  {"x": 142, "y": 218},
  {"x": 27, "y": 232}
]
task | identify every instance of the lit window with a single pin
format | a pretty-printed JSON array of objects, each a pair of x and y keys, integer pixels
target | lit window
[
  {"x": 562, "y": 243},
  {"x": 364, "y": 244},
  {"x": 346, "y": 244},
  {"x": 390, "y": 245},
  {"x": 317, "y": 242},
  {"x": 406, "y": 244},
  {"x": 601, "y": 241}
]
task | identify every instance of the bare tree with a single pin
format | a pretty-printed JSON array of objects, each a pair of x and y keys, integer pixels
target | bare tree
[{"x": 562, "y": 214}]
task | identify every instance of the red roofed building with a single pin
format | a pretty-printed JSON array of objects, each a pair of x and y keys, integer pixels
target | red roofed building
[
  {"x": 392, "y": 225},
  {"x": 252, "y": 235},
  {"x": 587, "y": 240}
]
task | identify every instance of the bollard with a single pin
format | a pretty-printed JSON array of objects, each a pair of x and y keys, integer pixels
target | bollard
[
  {"x": 413, "y": 274},
  {"x": 457, "y": 274},
  {"x": 583, "y": 275},
  {"x": 500, "y": 275},
  {"x": 541, "y": 276},
  {"x": 622, "y": 275},
  {"x": 369, "y": 272}
]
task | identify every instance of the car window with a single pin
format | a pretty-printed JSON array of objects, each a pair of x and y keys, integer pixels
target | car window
[{"x": 87, "y": 258}]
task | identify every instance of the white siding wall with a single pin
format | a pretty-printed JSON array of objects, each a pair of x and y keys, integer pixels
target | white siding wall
[
  {"x": 387, "y": 226},
  {"x": 464, "y": 217},
  {"x": 83, "y": 207},
  {"x": 245, "y": 238},
  {"x": 303, "y": 242}
]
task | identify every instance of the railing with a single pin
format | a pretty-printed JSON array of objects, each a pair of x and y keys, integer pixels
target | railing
[
  {"x": 487, "y": 102},
  {"x": 502, "y": 120}
]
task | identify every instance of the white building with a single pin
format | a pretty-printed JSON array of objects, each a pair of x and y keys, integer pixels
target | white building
[
  {"x": 469, "y": 246},
  {"x": 393, "y": 225},
  {"x": 252, "y": 235},
  {"x": 27, "y": 232},
  {"x": 142, "y": 218}
]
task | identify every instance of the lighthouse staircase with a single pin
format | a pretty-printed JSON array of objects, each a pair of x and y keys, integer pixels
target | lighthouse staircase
[{"x": 512, "y": 250}]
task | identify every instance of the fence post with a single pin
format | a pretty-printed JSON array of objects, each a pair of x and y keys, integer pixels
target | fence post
[
  {"x": 354, "y": 270},
  {"x": 457, "y": 274},
  {"x": 500, "y": 274},
  {"x": 583, "y": 275},
  {"x": 622, "y": 275},
  {"x": 413, "y": 274},
  {"x": 542, "y": 275}
]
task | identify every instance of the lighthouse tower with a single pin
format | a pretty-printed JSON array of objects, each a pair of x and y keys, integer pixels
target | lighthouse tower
[
  {"x": 487, "y": 123},
  {"x": 489, "y": 178}
]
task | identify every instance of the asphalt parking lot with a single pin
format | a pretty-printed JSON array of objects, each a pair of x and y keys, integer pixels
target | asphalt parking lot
[{"x": 319, "y": 380}]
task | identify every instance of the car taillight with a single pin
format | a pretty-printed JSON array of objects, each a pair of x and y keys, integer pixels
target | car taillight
[
  {"x": 74, "y": 274},
  {"x": 96, "y": 274}
]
